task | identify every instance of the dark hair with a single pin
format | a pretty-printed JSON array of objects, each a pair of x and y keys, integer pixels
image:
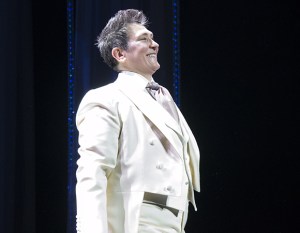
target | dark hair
[{"x": 115, "y": 33}]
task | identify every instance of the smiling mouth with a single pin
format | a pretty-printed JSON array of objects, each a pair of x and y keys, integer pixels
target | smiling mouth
[{"x": 151, "y": 55}]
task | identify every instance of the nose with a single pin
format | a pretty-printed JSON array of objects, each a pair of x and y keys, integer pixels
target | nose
[{"x": 154, "y": 44}]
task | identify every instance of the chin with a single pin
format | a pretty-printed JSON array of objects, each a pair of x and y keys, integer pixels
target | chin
[{"x": 157, "y": 68}]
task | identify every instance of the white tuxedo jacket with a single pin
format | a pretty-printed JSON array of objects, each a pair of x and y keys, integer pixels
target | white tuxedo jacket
[{"x": 125, "y": 138}]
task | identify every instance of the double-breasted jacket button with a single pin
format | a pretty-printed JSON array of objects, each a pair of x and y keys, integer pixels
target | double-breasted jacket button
[
  {"x": 160, "y": 166},
  {"x": 168, "y": 189}
]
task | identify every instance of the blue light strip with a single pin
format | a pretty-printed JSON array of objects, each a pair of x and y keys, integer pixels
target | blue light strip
[
  {"x": 176, "y": 52},
  {"x": 71, "y": 179}
]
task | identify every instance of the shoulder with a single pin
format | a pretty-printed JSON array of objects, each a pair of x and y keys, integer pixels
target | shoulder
[
  {"x": 104, "y": 94},
  {"x": 104, "y": 97}
]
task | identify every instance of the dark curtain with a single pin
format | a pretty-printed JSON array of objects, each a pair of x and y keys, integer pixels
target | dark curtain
[
  {"x": 240, "y": 66},
  {"x": 17, "y": 151},
  {"x": 49, "y": 22},
  {"x": 33, "y": 119}
]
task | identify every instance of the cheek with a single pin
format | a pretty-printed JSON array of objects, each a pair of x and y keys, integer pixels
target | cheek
[
  {"x": 141, "y": 49},
  {"x": 137, "y": 52}
]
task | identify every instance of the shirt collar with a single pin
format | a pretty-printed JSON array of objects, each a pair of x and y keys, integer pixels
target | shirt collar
[{"x": 135, "y": 79}]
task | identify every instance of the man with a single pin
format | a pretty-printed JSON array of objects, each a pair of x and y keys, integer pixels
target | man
[{"x": 138, "y": 165}]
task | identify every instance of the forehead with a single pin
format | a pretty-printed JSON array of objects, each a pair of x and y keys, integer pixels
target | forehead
[{"x": 136, "y": 30}]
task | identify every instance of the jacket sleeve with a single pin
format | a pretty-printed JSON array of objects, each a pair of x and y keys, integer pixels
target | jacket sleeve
[{"x": 98, "y": 126}]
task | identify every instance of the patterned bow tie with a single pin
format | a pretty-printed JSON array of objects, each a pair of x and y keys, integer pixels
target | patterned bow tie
[
  {"x": 153, "y": 86},
  {"x": 162, "y": 95}
]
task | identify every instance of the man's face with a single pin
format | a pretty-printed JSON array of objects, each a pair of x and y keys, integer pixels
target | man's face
[{"x": 141, "y": 55}]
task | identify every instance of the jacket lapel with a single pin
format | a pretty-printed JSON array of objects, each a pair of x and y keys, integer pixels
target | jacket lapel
[{"x": 152, "y": 110}]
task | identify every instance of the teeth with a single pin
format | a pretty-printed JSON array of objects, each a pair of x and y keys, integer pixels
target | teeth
[{"x": 151, "y": 55}]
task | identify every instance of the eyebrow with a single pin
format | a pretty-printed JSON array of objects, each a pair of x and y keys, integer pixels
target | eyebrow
[{"x": 146, "y": 34}]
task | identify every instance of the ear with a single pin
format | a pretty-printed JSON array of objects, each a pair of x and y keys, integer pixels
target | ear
[{"x": 118, "y": 54}]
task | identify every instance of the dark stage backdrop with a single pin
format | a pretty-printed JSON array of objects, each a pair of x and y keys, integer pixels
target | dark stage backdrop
[
  {"x": 17, "y": 148},
  {"x": 33, "y": 118},
  {"x": 240, "y": 65},
  {"x": 239, "y": 71}
]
